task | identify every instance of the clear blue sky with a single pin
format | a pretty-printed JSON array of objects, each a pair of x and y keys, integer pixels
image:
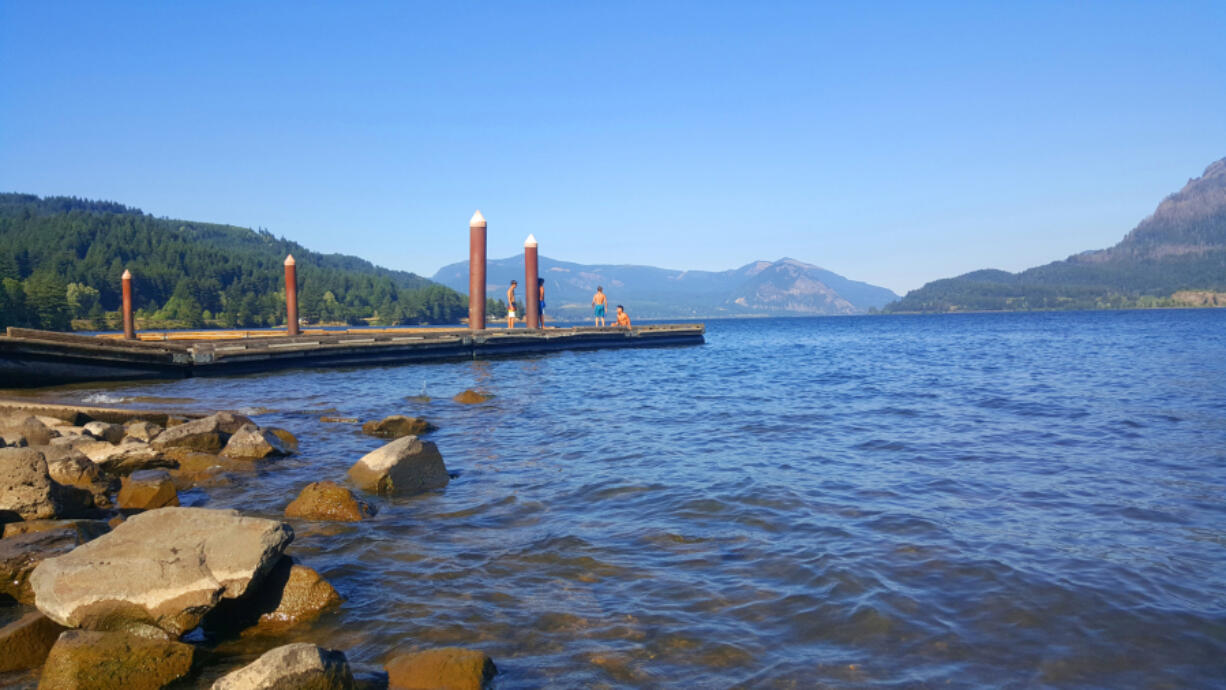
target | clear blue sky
[{"x": 894, "y": 143}]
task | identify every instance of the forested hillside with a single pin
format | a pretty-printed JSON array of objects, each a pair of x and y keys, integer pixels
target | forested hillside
[
  {"x": 1180, "y": 248},
  {"x": 61, "y": 259}
]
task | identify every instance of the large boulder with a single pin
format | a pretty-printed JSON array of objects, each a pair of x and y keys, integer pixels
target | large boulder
[
  {"x": 88, "y": 659},
  {"x": 22, "y": 553},
  {"x": 328, "y": 501},
  {"x": 300, "y": 666},
  {"x": 146, "y": 490},
  {"x": 208, "y": 434},
  {"x": 398, "y": 425},
  {"x": 253, "y": 443},
  {"x": 165, "y": 567},
  {"x": 453, "y": 668},
  {"x": 25, "y": 642},
  {"x": 405, "y": 466},
  {"x": 26, "y": 489},
  {"x": 290, "y": 594}
]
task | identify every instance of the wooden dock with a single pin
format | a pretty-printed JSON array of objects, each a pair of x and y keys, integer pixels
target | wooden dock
[{"x": 30, "y": 358}]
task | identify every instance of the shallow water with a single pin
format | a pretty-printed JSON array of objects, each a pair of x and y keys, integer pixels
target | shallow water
[{"x": 1012, "y": 500}]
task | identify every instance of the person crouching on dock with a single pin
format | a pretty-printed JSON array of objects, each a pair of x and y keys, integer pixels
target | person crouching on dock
[
  {"x": 623, "y": 319},
  {"x": 599, "y": 301}
]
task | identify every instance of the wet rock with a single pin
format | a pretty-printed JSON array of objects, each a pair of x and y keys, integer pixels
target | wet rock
[
  {"x": 288, "y": 440},
  {"x": 338, "y": 420},
  {"x": 146, "y": 490},
  {"x": 87, "y": 659},
  {"x": 300, "y": 665},
  {"x": 472, "y": 397},
  {"x": 25, "y": 642},
  {"x": 26, "y": 489},
  {"x": 208, "y": 434},
  {"x": 21, "y": 554},
  {"x": 289, "y": 595},
  {"x": 328, "y": 501},
  {"x": 194, "y": 468},
  {"x": 85, "y": 529},
  {"x": 166, "y": 567},
  {"x": 141, "y": 430},
  {"x": 396, "y": 426},
  {"x": 111, "y": 433},
  {"x": 126, "y": 457},
  {"x": 252, "y": 443},
  {"x": 454, "y": 668},
  {"x": 405, "y": 466}
]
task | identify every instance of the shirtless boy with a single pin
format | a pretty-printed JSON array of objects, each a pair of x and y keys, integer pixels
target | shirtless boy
[
  {"x": 623, "y": 319},
  {"x": 511, "y": 305},
  {"x": 599, "y": 301}
]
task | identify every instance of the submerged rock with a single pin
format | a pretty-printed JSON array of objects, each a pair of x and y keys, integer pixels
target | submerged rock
[
  {"x": 328, "y": 501},
  {"x": 87, "y": 659},
  {"x": 146, "y": 490},
  {"x": 454, "y": 668},
  {"x": 301, "y": 665},
  {"x": 26, "y": 489},
  {"x": 166, "y": 568},
  {"x": 472, "y": 397},
  {"x": 405, "y": 466},
  {"x": 25, "y": 642},
  {"x": 398, "y": 425}
]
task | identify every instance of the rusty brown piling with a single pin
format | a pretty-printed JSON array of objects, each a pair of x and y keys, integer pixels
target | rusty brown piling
[
  {"x": 291, "y": 296},
  {"x": 532, "y": 296},
  {"x": 476, "y": 272},
  {"x": 129, "y": 323}
]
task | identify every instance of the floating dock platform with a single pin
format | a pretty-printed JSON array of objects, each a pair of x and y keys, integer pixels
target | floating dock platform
[{"x": 30, "y": 358}]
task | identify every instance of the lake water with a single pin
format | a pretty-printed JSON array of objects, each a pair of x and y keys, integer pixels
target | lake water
[{"x": 1010, "y": 500}]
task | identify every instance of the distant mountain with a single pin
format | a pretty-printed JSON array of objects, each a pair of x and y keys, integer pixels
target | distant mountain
[
  {"x": 1175, "y": 256},
  {"x": 780, "y": 288}
]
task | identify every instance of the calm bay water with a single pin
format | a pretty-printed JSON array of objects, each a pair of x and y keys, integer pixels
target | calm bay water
[{"x": 1012, "y": 500}]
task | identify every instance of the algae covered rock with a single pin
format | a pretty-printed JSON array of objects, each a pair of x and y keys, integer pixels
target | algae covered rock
[
  {"x": 87, "y": 659},
  {"x": 302, "y": 666},
  {"x": 166, "y": 568},
  {"x": 328, "y": 501},
  {"x": 287, "y": 439},
  {"x": 398, "y": 425},
  {"x": 26, "y": 489},
  {"x": 472, "y": 397},
  {"x": 146, "y": 490},
  {"x": 454, "y": 668},
  {"x": 25, "y": 642},
  {"x": 405, "y": 466}
]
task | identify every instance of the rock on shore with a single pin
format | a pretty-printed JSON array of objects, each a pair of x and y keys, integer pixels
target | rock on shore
[
  {"x": 26, "y": 489},
  {"x": 301, "y": 666},
  {"x": 164, "y": 568},
  {"x": 86, "y": 659}
]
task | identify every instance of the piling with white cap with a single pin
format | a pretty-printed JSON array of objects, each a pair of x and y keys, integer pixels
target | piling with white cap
[
  {"x": 291, "y": 296},
  {"x": 476, "y": 272},
  {"x": 531, "y": 273},
  {"x": 129, "y": 323}
]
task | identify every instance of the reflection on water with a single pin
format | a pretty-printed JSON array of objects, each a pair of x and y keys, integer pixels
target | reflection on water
[{"x": 964, "y": 501}]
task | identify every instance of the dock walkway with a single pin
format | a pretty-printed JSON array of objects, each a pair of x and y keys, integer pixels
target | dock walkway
[{"x": 30, "y": 358}]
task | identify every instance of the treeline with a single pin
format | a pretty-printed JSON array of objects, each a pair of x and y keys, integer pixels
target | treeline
[
  {"x": 1119, "y": 282},
  {"x": 61, "y": 260}
]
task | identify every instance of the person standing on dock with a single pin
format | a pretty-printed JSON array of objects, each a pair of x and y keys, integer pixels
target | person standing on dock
[
  {"x": 599, "y": 301},
  {"x": 540, "y": 306},
  {"x": 511, "y": 305},
  {"x": 623, "y": 319}
]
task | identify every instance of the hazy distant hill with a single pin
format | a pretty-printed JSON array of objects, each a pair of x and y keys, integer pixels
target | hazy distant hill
[
  {"x": 763, "y": 288},
  {"x": 1181, "y": 247}
]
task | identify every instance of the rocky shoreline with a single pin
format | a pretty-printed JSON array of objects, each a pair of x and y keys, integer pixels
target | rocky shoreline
[{"x": 110, "y": 583}]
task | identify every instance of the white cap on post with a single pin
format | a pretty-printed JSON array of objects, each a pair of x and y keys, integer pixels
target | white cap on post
[
  {"x": 127, "y": 275},
  {"x": 477, "y": 221},
  {"x": 531, "y": 241},
  {"x": 289, "y": 260}
]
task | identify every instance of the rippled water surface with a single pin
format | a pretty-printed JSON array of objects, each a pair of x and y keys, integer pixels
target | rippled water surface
[{"x": 1011, "y": 500}]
